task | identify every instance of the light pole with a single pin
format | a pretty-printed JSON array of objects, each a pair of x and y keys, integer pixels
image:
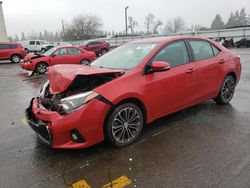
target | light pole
[{"x": 126, "y": 19}]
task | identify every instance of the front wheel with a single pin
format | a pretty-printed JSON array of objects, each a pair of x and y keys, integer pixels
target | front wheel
[
  {"x": 103, "y": 51},
  {"x": 85, "y": 62},
  {"x": 41, "y": 68},
  {"x": 43, "y": 50},
  {"x": 226, "y": 91},
  {"x": 124, "y": 125}
]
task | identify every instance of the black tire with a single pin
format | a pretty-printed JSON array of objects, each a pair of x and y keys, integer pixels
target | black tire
[
  {"x": 85, "y": 62},
  {"x": 16, "y": 58},
  {"x": 124, "y": 125},
  {"x": 26, "y": 50},
  {"x": 226, "y": 91},
  {"x": 43, "y": 50},
  {"x": 41, "y": 67},
  {"x": 104, "y": 51}
]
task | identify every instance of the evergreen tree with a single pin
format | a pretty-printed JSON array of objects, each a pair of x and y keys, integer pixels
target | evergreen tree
[
  {"x": 237, "y": 18},
  {"x": 242, "y": 17},
  {"x": 217, "y": 23},
  {"x": 23, "y": 36},
  {"x": 40, "y": 36},
  {"x": 16, "y": 38},
  {"x": 231, "y": 20}
]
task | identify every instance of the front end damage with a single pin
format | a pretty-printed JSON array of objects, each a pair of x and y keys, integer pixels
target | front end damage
[{"x": 72, "y": 118}]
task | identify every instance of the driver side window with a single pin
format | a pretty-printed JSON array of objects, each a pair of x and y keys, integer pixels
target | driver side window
[
  {"x": 175, "y": 54},
  {"x": 61, "y": 52}
]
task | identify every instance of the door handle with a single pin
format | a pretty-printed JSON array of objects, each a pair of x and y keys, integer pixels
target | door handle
[
  {"x": 222, "y": 61},
  {"x": 190, "y": 71}
]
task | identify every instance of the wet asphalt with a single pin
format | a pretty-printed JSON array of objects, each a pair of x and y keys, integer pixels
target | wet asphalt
[{"x": 207, "y": 145}]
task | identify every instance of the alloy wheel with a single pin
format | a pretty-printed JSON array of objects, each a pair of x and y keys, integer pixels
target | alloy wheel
[
  {"x": 228, "y": 89},
  {"x": 15, "y": 59},
  {"x": 126, "y": 125}
]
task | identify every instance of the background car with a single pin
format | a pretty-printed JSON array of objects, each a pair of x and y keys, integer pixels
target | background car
[
  {"x": 11, "y": 51},
  {"x": 243, "y": 43},
  {"x": 36, "y": 46},
  {"x": 133, "y": 84},
  {"x": 99, "y": 47},
  {"x": 57, "y": 55}
]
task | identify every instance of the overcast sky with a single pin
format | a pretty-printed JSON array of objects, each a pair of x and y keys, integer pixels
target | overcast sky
[{"x": 40, "y": 15}]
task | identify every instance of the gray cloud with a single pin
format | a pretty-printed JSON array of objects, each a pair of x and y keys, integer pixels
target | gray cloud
[{"x": 38, "y": 15}]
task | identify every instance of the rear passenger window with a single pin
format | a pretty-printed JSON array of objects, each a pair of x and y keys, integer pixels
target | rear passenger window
[
  {"x": 7, "y": 46},
  {"x": 73, "y": 51},
  {"x": 32, "y": 42},
  {"x": 201, "y": 49},
  {"x": 175, "y": 54}
]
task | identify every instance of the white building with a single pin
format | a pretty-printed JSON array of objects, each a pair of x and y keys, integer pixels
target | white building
[{"x": 3, "y": 33}]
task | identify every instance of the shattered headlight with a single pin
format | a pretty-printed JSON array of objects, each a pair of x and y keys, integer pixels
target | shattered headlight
[
  {"x": 44, "y": 89},
  {"x": 74, "y": 102}
]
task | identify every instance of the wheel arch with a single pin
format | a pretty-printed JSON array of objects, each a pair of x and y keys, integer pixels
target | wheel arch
[
  {"x": 15, "y": 54},
  {"x": 233, "y": 74},
  {"x": 133, "y": 100}
]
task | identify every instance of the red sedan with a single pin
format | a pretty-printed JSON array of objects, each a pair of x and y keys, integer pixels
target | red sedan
[
  {"x": 129, "y": 87},
  {"x": 57, "y": 55}
]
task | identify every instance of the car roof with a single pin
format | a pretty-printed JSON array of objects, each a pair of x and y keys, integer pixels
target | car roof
[
  {"x": 8, "y": 43},
  {"x": 166, "y": 39}
]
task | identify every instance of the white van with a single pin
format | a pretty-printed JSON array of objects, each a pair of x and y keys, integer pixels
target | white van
[{"x": 36, "y": 46}]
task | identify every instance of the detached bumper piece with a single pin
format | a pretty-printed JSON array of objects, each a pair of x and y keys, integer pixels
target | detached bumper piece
[{"x": 38, "y": 126}]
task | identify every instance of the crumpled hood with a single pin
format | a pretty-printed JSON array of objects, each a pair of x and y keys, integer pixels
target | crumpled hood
[
  {"x": 61, "y": 76},
  {"x": 32, "y": 56}
]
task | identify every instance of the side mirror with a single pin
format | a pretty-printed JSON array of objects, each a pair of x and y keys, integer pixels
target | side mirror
[
  {"x": 159, "y": 66},
  {"x": 53, "y": 55}
]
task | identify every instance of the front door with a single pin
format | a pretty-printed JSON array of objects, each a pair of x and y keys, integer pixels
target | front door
[
  {"x": 174, "y": 89},
  {"x": 60, "y": 57}
]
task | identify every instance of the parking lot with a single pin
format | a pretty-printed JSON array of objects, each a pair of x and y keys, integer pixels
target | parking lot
[{"x": 207, "y": 145}]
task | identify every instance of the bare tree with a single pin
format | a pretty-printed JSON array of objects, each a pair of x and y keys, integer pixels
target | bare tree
[
  {"x": 149, "y": 22},
  {"x": 132, "y": 24},
  {"x": 175, "y": 25},
  {"x": 84, "y": 27},
  {"x": 157, "y": 24}
]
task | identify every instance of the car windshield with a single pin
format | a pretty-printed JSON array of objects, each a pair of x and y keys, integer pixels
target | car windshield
[
  {"x": 125, "y": 57},
  {"x": 50, "y": 51},
  {"x": 43, "y": 42}
]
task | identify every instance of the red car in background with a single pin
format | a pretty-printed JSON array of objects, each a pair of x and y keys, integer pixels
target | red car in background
[
  {"x": 99, "y": 47},
  {"x": 11, "y": 51},
  {"x": 57, "y": 55},
  {"x": 128, "y": 87}
]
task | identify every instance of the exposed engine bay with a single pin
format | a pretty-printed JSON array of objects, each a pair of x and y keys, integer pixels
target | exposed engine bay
[{"x": 80, "y": 84}]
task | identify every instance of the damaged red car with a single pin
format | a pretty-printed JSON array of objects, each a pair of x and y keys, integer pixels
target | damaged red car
[
  {"x": 129, "y": 87},
  {"x": 57, "y": 55}
]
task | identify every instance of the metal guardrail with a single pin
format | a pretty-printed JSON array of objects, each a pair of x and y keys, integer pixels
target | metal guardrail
[{"x": 236, "y": 34}]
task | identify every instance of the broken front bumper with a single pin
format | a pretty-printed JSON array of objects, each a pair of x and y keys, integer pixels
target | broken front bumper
[
  {"x": 56, "y": 130},
  {"x": 40, "y": 127}
]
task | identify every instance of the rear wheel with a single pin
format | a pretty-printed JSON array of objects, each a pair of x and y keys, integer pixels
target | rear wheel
[
  {"x": 124, "y": 125},
  {"x": 226, "y": 91},
  {"x": 84, "y": 62},
  {"x": 41, "y": 67},
  {"x": 15, "y": 58}
]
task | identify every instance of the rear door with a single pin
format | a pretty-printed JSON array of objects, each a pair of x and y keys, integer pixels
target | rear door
[
  {"x": 4, "y": 51},
  {"x": 209, "y": 61},
  {"x": 174, "y": 89},
  {"x": 32, "y": 45},
  {"x": 74, "y": 55},
  {"x": 60, "y": 57}
]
